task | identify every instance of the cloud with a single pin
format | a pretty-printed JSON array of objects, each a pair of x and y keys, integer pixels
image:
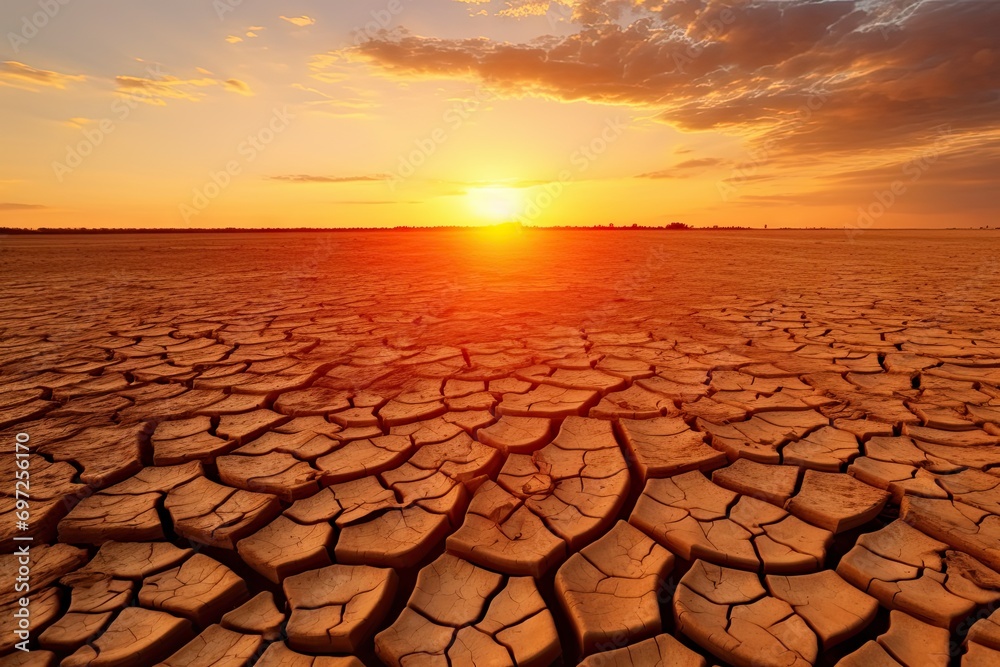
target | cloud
[
  {"x": 821, "y": 93},
  {"x": 300, "y": 21},
  {"x": 237, "y": 86},
  {"x": 329, "y": 67},
  {"x": 78, "y": 123},
  {"x": 308, "y": 178},
  {"x": 9, "y": 206},
  {"x": 687, "y": 169},
  {"x": 157, "y": 91},
  {"x": 813, "y": 77},
  {"x": 375, "y": 202},
  {"x": 233, "y": 39},
  {"x": 932, "y": 181},
  {"x": 522, "y": 8},
  {"x": 25, "y": 77},
  {"x": 516, "y": 184}
]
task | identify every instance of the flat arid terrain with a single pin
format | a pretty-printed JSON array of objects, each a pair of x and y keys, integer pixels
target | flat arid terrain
[{"x": 502, "y": 447}]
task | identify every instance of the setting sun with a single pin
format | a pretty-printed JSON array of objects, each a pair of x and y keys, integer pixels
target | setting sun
[{"x": 496, "y": 204}]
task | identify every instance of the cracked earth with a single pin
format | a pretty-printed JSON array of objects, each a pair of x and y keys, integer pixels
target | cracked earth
[{"x": 545, "y": 448}]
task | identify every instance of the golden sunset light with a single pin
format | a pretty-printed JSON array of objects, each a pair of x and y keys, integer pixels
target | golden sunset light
[
  {"x": 496, "y": 204},
  {"x": 500, "y": 333},
  {"x": 712, "y": 112}
]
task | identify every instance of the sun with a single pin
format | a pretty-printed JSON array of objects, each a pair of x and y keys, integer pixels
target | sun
[{"x": 496, "y": 204}]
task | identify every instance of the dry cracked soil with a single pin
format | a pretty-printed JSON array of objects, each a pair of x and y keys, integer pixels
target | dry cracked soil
[{"x": 503, "y": 448}]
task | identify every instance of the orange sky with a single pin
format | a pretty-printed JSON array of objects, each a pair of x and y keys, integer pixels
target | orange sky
[{"x": 874, "y": 113}]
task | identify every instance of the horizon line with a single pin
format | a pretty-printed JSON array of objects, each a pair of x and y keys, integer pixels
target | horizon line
[{"x": 672, "y": 227}]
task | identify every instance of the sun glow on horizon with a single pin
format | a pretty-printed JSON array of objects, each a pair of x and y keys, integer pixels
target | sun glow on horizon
[{"x": 496, "y": 204}]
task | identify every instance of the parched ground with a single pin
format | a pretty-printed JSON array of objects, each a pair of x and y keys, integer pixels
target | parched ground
[{"x": 504, "y": 448}]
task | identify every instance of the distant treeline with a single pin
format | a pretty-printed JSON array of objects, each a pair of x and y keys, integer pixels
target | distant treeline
[{"x": 673, "y": 226}]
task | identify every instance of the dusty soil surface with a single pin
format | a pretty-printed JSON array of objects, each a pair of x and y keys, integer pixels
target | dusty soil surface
[{"x": 503, "y": 448}]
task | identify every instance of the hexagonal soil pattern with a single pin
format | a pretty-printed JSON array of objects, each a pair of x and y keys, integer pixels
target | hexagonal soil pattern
[{"x": 455, "y": 448}]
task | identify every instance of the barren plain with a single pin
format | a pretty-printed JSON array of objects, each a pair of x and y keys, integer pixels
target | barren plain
[{"x": 503, "y": 447}]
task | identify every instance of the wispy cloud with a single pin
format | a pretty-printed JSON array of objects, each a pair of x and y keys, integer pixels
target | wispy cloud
[
  {"x": 237, "y": 86},
  {"x": 300, "y": 21},
  {"x": 309, "y": 178},
  {"x": 18, "y": 75},
  {"x": 78, "y": 122},
  {"x": 516, "y": 8},
  {"x": 11, "y": 206},
  {"x": 687, "y": 169},
  {"x": 522, "y": 8},
  {"x": 375, "y": 202},
  {"x": 157, "y": 91}
]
